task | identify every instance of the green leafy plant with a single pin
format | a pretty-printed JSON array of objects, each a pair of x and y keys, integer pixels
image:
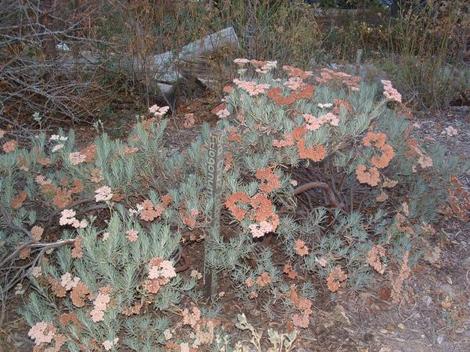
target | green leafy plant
[{"x": 321, "y": 164}]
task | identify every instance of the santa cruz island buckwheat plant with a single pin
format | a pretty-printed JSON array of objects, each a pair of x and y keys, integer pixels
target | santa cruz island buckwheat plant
[{"x": 324, "y": 185}]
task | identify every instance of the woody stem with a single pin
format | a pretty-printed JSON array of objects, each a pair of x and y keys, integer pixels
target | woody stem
[{"x": 325, "y": 187}]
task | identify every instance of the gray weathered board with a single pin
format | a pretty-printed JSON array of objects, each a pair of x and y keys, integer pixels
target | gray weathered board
[
  {"x": 165, "y": 65},
  {"x": 163, "y": 68}
]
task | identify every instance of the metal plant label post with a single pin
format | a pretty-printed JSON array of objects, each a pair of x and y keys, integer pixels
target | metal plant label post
[{"x": 215, "y": 164}]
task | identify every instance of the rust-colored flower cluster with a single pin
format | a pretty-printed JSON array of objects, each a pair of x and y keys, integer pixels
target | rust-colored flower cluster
[
  {"x": 336, "y": 279},
  {"x": 9, "y": 146},
  {"x": 301, "y": 320},
  {"x": 18, "y": 200},
  {"x": 289, "y": 271},
  {"x": 327, "y": 75},
  {"x": 263, "y": 280},
  {"x": 260, "y": 206},
  {"x": 269, "y": 180},
  {"x": 315, "y": 153},
  {"x": 374, "y": 258},
  {"x": 371, "y": 176},
  {"x": 189, "y": 218},
  {"x": 296, "y": 72},
  {"x": 378, "y": 140},
  {"x": 338, "y": 104},
  {"x": 276, "y": 95},
  {"x": 61, "y": 195},
  {"x": 160, "y": 273},
  {"x": 149, "y": 212},
  {"x": 458, "y": 201},
  {"x": 399, "y": 280},
  {"x": 252, "y": 88},
  {"x": 414, "y": 151},
  {"x": 301, "y": 248}
]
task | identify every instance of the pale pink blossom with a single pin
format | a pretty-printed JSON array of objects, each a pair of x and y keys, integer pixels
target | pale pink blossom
[
  {"x": 79, "y": 224},
  {"x": 294, "y": 83},
  {"x": 68, "y": 282},
  {"x": 390, "y": 92},
  {"x": 56, "y": 137},
  {"x": 189, "y": 120},
  {"x": 330, "y": 118},
  {"x": 108, "y": 345},
  {"x": 132, "y": 235},
  {"x": 42, "y": 332},
  {"x": 324, "y": 105},
  {"x": 314, "y": 123},
  {"x": 158, "y": 111},
  {"x": 97, "y": 315},
  {"x": 164, "y": 269},
  {"x": 41, "y": 180},
  {"x": 259, "y": 230},
  {"x": 223, "y": 113},
  {"x": 252, "y": 88},
  {"x": 241, "y": 61},
  {"x": 267, "y": 66},
  {"x": 100, "y": 303},
  {"x": 57, "y": 148},
  {"x": 103, "y": 194},
  {"x": 184, "y": 347},
  {"x": 67, "y": 216},
  {"x": 76, "y": 158},
  {"x": 36, "y": 271},
  {"x": 450, "y": 131}
]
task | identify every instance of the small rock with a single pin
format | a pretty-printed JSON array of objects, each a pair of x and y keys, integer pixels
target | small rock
[
  {"x": 401, "y": 326},
  {"x": 440, "y": 339}
]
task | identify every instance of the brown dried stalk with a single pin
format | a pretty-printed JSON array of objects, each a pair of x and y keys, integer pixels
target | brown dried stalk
[{"x": 325, "y": 188}]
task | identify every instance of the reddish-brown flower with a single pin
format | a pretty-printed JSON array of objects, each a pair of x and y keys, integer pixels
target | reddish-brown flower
[
  {"x": 336, "y": 279},
  {"x": 370, "y": 177}
]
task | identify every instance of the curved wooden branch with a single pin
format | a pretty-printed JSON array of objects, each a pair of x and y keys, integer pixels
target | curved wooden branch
[{"x": 325, "y": 187}]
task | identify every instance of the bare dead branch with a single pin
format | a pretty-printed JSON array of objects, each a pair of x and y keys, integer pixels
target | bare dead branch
[{"x": 323, "y": 186}]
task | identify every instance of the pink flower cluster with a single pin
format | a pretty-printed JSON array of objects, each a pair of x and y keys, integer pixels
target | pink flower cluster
[
  {"x": 68, "y": 218},
  {"x": 294, "y": 83},
  {"x": 163, "y": 269},
  {"x": 76, "y": 158},
  {"x": 42, "y": 332},
  {"x": 103, "y": 194},
  {"x": 261, "y": 66},
  {"x": 314, "y": 123},
  {"x": 132, "y": 235},
  {"x": 390, "y": 92},
  {"x": 42, "y": 180},
  {"x": 350, "y": 81},
  {"x": 265, "y": 66},
  {"x": 108, "y": 345},
  {"x": 100, "y": 303},
  {"x": 68, "y": 282},
  {"x": 252, "y": 88},
  {"x": 158, "y": 111},
  {"x": 259, "y": 230}
]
